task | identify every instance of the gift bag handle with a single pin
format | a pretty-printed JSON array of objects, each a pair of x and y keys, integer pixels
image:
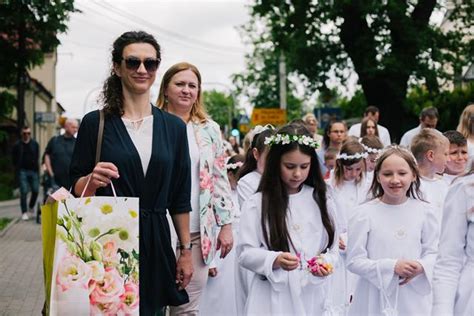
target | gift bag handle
[{"x": 98, "y": 150}]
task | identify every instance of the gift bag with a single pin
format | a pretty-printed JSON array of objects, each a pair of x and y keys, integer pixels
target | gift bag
[{"x": 95, "y": 261}]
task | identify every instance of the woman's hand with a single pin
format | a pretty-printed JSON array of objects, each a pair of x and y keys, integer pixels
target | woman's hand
[
  {"x": 286, "y": 261},
  {"x": 184, "y": 269},
  {"x": 225, "y": 240},
  {"x": 102, "y": 174}
]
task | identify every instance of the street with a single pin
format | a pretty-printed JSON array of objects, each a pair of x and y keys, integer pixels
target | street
[{"x": 21, "y": 277}]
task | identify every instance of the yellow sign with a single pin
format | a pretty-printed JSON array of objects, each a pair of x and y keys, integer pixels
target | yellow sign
[{"x": 268, "y": 116}]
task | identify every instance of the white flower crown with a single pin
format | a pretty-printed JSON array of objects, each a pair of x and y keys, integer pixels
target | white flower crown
[
  {"x": 232, "y": 166},
  {"x": 345, "y": 156},
  {"x": 285, "y": 139},
  {"x": 259, "y": 128},
  {"x": 371, "y": 150}
]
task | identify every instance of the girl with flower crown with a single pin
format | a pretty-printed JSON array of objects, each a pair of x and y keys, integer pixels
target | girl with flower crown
[
  {"x": 222, "y": 272},
  {"x": 392, "y": 242},
  {"x": 373, "y": 147},
  {"x": 453, "y": 281},
  {"x": 287, "y": 230},
  {"x": 349, "y": 189}
]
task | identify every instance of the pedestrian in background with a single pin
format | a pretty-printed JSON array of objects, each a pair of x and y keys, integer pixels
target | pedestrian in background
[
  {"x": 428, "y": 119},
  {"x": 145, "y": 153},
  {"x": 25, "y": 154},
  {"x": 58, "y": 154},
  {"x": 373, "y": 113},
  {"x": 211, "y": 201}
]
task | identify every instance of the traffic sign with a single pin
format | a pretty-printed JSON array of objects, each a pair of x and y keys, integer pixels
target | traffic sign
[
  {"x": 268, "y": 116},
  {"x": 45, "y": 117}
]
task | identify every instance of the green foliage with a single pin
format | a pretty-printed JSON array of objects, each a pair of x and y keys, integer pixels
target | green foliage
[
  {"x": 7, "y": 178},
  {"x": 219, "y": 106},
  {"x": 449, "y": 104},
  {"x": 4, "y": 222},
  {"x": 387, "y": 43},
  {"x": 353, "y": 107},
  {"x": 36, "y": 24}
]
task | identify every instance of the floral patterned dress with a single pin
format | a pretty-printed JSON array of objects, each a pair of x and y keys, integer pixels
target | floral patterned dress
[{"x": 215, "y": 200}]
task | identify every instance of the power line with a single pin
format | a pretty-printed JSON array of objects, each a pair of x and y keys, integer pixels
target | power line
[
  {"x": 106, "y": 5},
  {"x": 147, "y": 25}
]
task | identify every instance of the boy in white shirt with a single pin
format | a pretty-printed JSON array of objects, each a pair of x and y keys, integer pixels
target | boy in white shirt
[
  {"x": 431, "y": 150},
  {"x": 458, "y": 156}
]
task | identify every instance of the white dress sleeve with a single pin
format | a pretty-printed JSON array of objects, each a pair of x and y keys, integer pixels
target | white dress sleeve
[
  {"x": 451, "y": 250},
  {"x": 252, "y": 252},
  {"x": 357, "y": 256},
  {"x": 422, "y": 283},
  {"x": 245, "y": 189}
]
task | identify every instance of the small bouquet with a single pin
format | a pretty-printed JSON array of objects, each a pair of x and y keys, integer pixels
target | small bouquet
[
  {"x": 318, "y": 262},
  {"x": 315, "y": 263}
]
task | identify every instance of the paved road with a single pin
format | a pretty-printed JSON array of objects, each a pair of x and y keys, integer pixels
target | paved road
[{"x": 21, "y": 266}]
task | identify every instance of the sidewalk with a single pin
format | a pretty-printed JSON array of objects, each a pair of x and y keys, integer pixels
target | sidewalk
[{"x": 21, "y": 265}]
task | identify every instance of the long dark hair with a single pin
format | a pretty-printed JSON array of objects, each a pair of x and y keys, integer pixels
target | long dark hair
[
  {"x": 275, "y": 196},
  {"x": 250, "y": 163},
  {"x": 112, "y": 95},
  {"x": 363, "y": 127}
]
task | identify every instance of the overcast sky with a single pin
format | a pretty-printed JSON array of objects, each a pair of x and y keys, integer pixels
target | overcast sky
[{"x": 201, "y": 32}]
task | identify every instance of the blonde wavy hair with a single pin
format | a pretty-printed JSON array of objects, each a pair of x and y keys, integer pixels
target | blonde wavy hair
[
  {"x": 198, "y": 112},
  {"x": 466, "y": 121}
]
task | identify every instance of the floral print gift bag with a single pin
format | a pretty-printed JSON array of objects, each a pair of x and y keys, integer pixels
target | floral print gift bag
[{"x": 95, "y": 267}]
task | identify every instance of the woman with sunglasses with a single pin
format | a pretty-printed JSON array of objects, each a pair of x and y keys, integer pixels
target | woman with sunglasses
[
  {"x": 145, "y": 154},
  {"x": 211, "y": 201}
]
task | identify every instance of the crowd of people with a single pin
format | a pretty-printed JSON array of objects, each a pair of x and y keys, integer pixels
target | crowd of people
[{"x": 293, "y": 223}]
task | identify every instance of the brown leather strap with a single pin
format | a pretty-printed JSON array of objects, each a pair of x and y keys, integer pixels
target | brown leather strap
[{"x": 99, "y": 136}]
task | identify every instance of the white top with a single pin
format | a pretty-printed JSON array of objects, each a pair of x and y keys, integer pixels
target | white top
[
  {"x": 470, "y": 155},
  {"x": 384, "y": 134},
  {"x": 453, "y": 282},
  {"x": 434, "y": 192},
  {"x": 248, "y": 185},
  {"x": 448, "y": 178},
  {"x": 347, "y": 196},
  {"x": 141, "y": 133},
  {"x": 194, "y": 220},
  {"x": 379, "y": 235},
  {"x": 408, "y": 136},
  {"x": 276, "y": 291}
]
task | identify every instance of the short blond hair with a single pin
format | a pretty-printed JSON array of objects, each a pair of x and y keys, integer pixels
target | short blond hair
[{"x": 427, "y": 139}]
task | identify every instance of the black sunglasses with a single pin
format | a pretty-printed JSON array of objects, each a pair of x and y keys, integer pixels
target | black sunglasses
[{"x": 133, "y": 63}]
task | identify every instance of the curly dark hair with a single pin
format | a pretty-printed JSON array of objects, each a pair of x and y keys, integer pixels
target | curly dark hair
[{"x": 112, "y": 95}]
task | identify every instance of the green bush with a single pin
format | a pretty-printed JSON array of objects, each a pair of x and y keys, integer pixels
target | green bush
[{"x": 7, "y": 179}]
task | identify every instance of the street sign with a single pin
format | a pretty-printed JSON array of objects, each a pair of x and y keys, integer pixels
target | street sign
[
  {"x": 268, "y": 116},
  {"x": 45, "y": 117}
]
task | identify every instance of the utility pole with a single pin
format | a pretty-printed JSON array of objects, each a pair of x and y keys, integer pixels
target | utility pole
[
  {"x": 282, "y": 76},
  {"x": 21, "y": 73}
]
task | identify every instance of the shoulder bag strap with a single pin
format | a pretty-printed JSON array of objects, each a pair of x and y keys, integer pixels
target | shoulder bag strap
[{"x": 100, "y": 135}]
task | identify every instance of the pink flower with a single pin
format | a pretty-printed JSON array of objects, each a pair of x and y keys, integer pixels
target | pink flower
[
  {"x": 73, "y": 272},
  {"x": 205, "y": 180},
  {"x": 105, "y": 298},
  {"x": 220, "y": 162},
  {"x": 206, "y": 246},
  {"x": 110, "y": 253},
  {"x": 130, "y": 299}
]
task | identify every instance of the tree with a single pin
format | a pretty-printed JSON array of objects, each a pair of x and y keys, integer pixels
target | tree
[
  {"x": 219, "y": 106},
  {"x": 30, "y": 29},
  {"x": 260, "y": 82},
  {"x": 387, "y": 43}
]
